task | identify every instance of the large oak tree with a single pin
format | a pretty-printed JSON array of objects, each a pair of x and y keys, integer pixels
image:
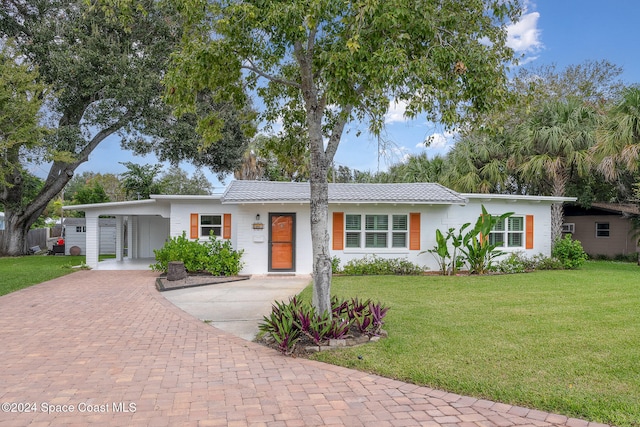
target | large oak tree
[
  {"x": 321, "y": 64},
  {"x": 106, "y": 79}
]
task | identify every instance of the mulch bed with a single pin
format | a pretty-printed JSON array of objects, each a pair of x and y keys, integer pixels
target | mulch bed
[{"x": 193, "y": 280}]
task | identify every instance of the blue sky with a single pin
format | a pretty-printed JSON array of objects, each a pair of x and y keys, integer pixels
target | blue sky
[{"x": 564, "y": 32}]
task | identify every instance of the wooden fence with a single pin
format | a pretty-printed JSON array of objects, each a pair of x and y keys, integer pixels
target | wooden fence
[{"x": 37, "y": 237}]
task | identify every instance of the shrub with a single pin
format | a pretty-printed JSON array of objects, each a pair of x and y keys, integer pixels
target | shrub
[
  {"x": 213, "y": 256},
  {"x": 289, "y": 321},
  {"x": 335, "y": 265},
  {"x": 516, "y": 262},
  {"x": 374, "y": 265},
  {"x": 281, "y": 325},
  {"x": 569, "y": 252},
  {"x": 542, "y": 262}
]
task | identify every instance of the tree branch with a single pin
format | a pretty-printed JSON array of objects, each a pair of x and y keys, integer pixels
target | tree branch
[
  {"x": 336, "y": 132},
  {"x": 269, "y": 77}
]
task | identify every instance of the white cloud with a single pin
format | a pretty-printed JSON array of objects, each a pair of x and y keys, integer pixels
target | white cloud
[
  {"x": 524, "y": 35},
  {"x": 438, "y": 140},
  {"x": 396, "y": 111}
]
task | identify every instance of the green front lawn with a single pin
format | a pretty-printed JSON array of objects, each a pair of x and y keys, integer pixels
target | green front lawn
[
  {"x": 21, "y": 272},
  {"x": 561, "y": 341}
]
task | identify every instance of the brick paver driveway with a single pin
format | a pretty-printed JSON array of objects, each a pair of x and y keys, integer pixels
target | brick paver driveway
[{"x": 104, "y": 348}]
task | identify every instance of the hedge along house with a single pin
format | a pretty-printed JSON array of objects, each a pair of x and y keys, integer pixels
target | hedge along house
[{"x": 270, "y": 221}]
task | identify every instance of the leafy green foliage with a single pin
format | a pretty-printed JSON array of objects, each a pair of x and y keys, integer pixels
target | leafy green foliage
[
  {"x": 177, "y": 181},
  {"x": 319, "y": 66},
  {"x": 335, "y": 264},
  {"x": 139, "y": 181},
  {"x": 214, "y": 256},
  {"x": 106, "y": 75},
  {"x": 281, "y": 326},
  {"x": 449, "y": 263},
  {"x": 287, "y": 322},
  {"x": 21, "y": 98},
  {"x": 569, "y": 252},
  {"x": 375, "y": 265},
  {"x": 478, "y": 251}
]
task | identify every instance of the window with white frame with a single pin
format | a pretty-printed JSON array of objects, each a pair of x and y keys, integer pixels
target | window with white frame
[
  {"x": 508, "y": 233},
  {"x": 602, "y": 229},
  {"x": 209, "y": 224},
  {"x": 376, "y": 231},
  {"x": 81, "y": 229}
]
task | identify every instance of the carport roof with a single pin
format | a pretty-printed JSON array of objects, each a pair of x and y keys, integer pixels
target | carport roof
[{"x": 299, "y": 192}]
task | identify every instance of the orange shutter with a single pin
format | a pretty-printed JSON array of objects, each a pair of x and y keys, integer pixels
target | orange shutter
[
  {"x": 226, "y": 226},
  {"x": 338, "y": 231},
  {"x": 529, "y": 237},
  {"x": 414, "y": 231},
  {"x": 194, "y": 226}
]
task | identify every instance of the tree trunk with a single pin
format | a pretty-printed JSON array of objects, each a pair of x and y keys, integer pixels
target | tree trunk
[
  {"x": 14, "y": 239},
  {"x": 557, "y": 217},
  {"x": 319, "y": 210},
  {"x": 557, "y": 209}
]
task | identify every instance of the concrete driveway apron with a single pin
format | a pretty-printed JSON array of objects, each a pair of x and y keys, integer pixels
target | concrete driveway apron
[
  {"x": 237, "y": 307},
  {"x": 104, "y": 348}
]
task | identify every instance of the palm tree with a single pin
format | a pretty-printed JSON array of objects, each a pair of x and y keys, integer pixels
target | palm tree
[
  {"x": 422, "y": 169},
  {"x": 478, "y": 164},
  {"x": 556, "y": 144},
  {"x": 618, "y": 136}
]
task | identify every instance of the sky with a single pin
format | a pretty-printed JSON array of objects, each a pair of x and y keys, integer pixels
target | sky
[{"x": 561, "y": 32}]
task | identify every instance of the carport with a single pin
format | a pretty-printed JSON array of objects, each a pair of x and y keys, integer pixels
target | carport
[{"x": 145, "y": 222}]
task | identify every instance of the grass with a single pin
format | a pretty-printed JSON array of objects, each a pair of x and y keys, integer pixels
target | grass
[
  {"x": 561, "y": 341},
  {"x": 21, "y": 272}
]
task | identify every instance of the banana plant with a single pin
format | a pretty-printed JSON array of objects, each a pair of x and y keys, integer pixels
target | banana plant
[{"x": 478, "y": 251}]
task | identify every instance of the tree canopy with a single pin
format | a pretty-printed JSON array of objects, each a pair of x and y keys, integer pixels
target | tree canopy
[
  {"x": 317, "y": 65},
  {"x": 106, "y": 78}
]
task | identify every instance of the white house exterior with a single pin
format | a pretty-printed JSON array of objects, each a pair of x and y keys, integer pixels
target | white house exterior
[{"x": 270, "y": 221}]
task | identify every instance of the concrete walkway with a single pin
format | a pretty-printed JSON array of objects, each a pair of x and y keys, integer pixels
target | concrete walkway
[
  {"x": 237, "y": 307},
  {"x": 104, "y": 348}
]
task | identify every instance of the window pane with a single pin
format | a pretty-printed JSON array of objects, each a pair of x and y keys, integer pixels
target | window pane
[
  {"x": 205, "y": 231},
  {"x": 399, "y": 240},
  {"x": 496, "y": 239},
  {"x": 602, "y": 229},
  {"x": 499, "y": 226},
  {"x": 377, "y": 222},
  {"x": 516, "y": 223},
  {"x": 376, "y": 240},
  {"x": 352, "y": 222},
  {"x": 515, "y": 240},
  {"x": 353, "y": 240},
  {"x": 399, "y": 222},
  {"x": 211, "y": 220}
]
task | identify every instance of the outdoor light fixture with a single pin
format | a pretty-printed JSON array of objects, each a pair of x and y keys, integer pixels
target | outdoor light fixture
[{"x": 258, "y": 225}]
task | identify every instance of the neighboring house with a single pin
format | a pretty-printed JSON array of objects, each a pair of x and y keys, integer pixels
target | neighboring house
[
  {"x": 604, "y": 229},
  {"x": 75, "y": 234},
  {"x": 1, "y": 220},
  {"x": 270, "y": 221}
]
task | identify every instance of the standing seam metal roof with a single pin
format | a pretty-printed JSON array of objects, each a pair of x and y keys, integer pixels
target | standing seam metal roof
[{"x": 269, "y": 191}]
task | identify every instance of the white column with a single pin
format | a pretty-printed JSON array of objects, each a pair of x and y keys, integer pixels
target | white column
[
  {"x": 93, "y": 240},
  {"x": 132, "y": 232},
  {"x": 119, "y": 238}
]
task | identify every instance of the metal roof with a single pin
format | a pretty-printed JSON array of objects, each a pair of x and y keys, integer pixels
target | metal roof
[{"x": 299, "y": 192}]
